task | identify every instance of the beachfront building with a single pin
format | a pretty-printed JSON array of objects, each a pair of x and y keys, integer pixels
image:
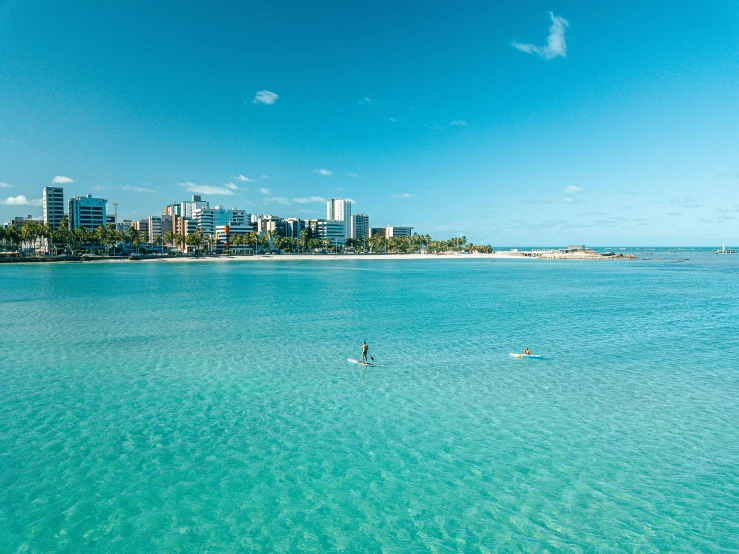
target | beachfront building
[
  {"x": 338, "y": 209},
  {"x": 142, "y": 226},
  {"x": 155, "y": 227},
  {"x": 323, "y": 229},
  {"x": 360, "y": 226},
  {"x": 209, "y": 218},
  {"x": 390, "y": 231},
  {"x": 293, "y": 227},
  {"x": 183, "y": 226},
  {"x": 186, "y": 208},
  {"x": 394, "y": 231},
  {"x": 87, "y": 212},
  {"x": 53, "y": 202},
  {"x": 124, "y": 225},
  {"x": 270, "y": 224}
]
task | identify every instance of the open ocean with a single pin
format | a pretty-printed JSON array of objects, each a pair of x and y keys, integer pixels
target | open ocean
[{"x": 210, "y": 406}]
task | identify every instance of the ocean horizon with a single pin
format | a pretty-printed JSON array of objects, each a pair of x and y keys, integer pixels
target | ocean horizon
[{"x": 210, "y": 407}]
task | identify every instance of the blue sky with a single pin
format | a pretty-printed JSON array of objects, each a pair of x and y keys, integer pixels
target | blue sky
[{"x": 517, "y": 123}]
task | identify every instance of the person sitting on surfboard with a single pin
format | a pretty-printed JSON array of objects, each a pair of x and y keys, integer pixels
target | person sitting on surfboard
[
  {"x": 526, "y": 351},
  {"x": 365, "y": 348}
]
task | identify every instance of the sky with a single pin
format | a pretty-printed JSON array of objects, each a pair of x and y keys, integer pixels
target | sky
[{"x": 512, "y": 123}]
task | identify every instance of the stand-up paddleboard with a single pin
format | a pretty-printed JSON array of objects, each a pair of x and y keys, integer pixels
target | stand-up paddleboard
[
  {"x": 534, "y": 356},
  {"x": 353, "y": 361}
]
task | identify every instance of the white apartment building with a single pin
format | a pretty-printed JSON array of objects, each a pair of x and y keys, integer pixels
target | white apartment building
[
  {"x": 155, "y": 227},
  {"x": 338, "y": 209},
  {"x": 360, "y": 226},
  {"x": 209, "y": 218},
  {"x": 87, "y": 212},
  {"x": 53, "y": 201}
]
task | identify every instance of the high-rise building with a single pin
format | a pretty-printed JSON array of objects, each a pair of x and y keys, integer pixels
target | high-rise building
[
  {"x": 327, "y": 229},
  {"x": 53, "y": 206},
  {"x": 395, "y": 231},
  {"x": 293, "y": 227},
  {"x": 155, "y": 227},
  {"x": 87, "y": 212},
  {"x": 209, "y": 218},
  {"x": 360, "y": 226},
  {"x": 338, "y": 209}
]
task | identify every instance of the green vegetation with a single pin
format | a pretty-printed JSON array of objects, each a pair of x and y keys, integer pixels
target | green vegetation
[{"x": 105, "y": 240}]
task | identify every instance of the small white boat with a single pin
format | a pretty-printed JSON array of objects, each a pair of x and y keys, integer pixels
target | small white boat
[
  {"x": 534, "y": 356},
  {"x": 725, "y": 251}
]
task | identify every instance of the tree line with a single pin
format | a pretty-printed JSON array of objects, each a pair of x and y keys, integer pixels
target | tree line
[{"x": 107, "y": 240}]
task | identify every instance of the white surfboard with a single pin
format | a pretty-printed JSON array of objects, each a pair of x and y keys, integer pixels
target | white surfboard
[
  {"x": 353, "y": 361},
  {"x": 534, "y": 356}
]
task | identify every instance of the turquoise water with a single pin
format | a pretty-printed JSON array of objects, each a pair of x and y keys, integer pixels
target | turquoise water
[{"x": 210, "y": 407}]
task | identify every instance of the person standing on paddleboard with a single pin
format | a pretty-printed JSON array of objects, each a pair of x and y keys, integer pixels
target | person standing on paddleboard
[{"x": 365, "y": 349}]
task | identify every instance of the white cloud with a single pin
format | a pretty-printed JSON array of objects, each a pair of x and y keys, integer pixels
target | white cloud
[
  {"x": 231, "y": 186},
  {"x": 20, "y": 200},
  {"x": 4, "y": 185},
  {"x": 265, "y": 97},
  {"x": 351, "y": 200},
  {"x": 266, "y": 177},
  {"x": 265, "y": 191},
  {"x": 404, "y": 195},
  {"x": 138, "y": 189},
  {"x": 572, "y": 189},
  {"x": 735, "y": 209},
  {"x": 393, "y": 119},
  {"x": 206, "y": 189},
  {"x": 365, "y": 100},
  {"x": 309, "y": 199},
  {"x": 62, "y": 180},
  {"x": 276, "y": 200},
  {"x": 568, "y": 199},
  {"x": 324, "y": 172},
  {"x": 458, "y": 123},
  {"x": 243, "y": 179},
  {"x": 556, "y": 46},
  {"x": 352, "y": 174},
  {"x": 686, "y": 202}
]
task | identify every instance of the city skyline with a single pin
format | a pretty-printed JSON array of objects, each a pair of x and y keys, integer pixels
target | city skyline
[{"x": 550, "y": 123}]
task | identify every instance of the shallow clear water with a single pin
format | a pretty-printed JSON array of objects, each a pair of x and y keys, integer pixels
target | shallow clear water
[{"x": 209, "y": 406}]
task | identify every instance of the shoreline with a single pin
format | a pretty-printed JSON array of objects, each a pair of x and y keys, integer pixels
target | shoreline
[{"x": 315, "y": 257}]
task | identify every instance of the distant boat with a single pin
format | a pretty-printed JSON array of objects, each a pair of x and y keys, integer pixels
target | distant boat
[{"x": 725, "y": 251}]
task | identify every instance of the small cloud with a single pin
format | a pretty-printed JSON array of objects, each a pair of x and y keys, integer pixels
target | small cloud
[
  {"x": 139, "y": 189},
  {"x": 434, "y": 126},
  {"x": 324, "y": 172},
  {"x": 4, "y": 185},
  {"x": 706, "y": 219},
  {"x": 98, "y": 188},
  {"x": 458, "y": 123},
  {"x": 265, "y": 97},
  {"x": 265, "y": 191},
  {"x": 735, "y": 209},
  {"x": 352, "y": 174},
  {"x": 393, "y": 119},
  {"x": 20, "y": 200},
  {"x": 231, "y": 186},
  {"x": 722, "y": 218},
  {"x": 276, "y": 200},
  {"x": 593, "y": 213},
  {"x": 243, "y": 179},
  {"x": 404, "y": 195},
  {"x": 568, "y": 199},
  {"x": 686, "y": 202},
  {"x": 366, "y": 101},
  {"x": 572, "y": 189},
  {"x": 206, "y": 189},
  {"x": 309, "y": 199},
  {"x": 625, "y": 207},
  {"x": 62, "y": 180},
  {"x": 673, "y": 213},
  {"x": 556, "y": 46},
  {"x": 265, "y": 176}
]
